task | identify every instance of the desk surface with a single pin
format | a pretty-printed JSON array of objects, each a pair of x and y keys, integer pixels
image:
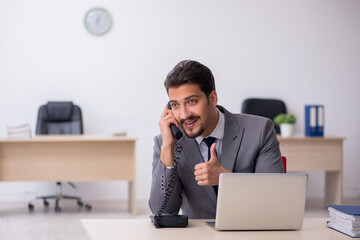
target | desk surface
[
  {"x": 317, "y": 154},
  {"x": 70, "y": 158},
  {"x": 309, "y": 139},
  {"x": 68, "y": 138},
  {"x": 114, "y": 229}
]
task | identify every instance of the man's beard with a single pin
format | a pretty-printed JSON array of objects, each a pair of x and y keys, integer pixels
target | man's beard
[{"x": 195, "y": 134}]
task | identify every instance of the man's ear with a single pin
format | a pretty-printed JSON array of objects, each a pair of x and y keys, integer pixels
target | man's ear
[{"x": 213, "y": 98}]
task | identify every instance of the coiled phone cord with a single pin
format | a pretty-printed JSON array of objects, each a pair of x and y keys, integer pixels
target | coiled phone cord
[{"x": 168, "y": 191}]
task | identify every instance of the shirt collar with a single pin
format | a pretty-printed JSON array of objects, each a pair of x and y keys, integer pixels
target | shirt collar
[{"x": 218, "y": 132}]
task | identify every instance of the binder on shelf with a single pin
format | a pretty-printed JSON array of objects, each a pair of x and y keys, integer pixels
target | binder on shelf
[
  {"x": 345, "y": 219},
  {"x": 314, "y": 120}
]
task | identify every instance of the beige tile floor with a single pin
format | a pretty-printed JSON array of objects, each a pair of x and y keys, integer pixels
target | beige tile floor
[{"x": 17, "y": 223}]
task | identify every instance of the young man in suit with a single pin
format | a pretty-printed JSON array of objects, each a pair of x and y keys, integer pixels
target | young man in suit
[{"x": 215, "y": 141}]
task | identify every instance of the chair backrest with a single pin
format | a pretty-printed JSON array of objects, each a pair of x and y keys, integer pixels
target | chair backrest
[
  {"x": 264, "y": 107},
  {"x": 283, "y": 159},
  {"x": 59, "y": 118}
]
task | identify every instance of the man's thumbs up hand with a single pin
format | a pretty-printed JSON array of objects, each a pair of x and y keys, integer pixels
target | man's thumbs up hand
[{"x": 207, "y": 173}]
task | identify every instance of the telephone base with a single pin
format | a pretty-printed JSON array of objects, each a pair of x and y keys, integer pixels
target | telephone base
[{"x": 175, "y": 221}]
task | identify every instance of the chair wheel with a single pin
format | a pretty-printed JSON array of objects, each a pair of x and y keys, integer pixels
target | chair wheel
[
  {"x": 80, "y": 203},
  {"x": 57, "y": 209},
  {"x": 31, "y": 206},
  {"x": 88, "y": 207},
  {"x": 46, "y": 203}
]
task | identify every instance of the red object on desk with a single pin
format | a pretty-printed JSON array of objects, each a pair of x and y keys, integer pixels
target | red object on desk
[{"x": 284, "y": 162}]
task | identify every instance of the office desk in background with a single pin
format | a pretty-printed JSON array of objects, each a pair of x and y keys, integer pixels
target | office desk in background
[
  {"x": 131, "y": 229},
  {"x": 317, "y": 154},
  {"x": 70, "y": 158}
]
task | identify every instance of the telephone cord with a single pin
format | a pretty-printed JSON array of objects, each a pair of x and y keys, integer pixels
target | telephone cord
[{"x": 168, "y": 191}]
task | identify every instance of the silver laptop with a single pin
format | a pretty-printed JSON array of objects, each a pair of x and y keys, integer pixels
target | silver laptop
[{"x": 261, "y": 201}]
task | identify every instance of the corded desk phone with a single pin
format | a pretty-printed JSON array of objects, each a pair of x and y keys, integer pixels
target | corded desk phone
[{"x": 160, "y": 219}]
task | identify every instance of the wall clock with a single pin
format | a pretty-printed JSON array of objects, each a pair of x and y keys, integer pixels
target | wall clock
[{"x": 97, "y": 21}]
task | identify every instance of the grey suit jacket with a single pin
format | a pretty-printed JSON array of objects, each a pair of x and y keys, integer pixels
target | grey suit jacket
[{"x": 249, "y": 146}]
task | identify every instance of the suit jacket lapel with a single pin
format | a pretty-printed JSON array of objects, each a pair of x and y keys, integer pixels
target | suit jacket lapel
[
  {"x": 233, "y": 134},
  {"x": 192, "y": 156},
  {"x": 191, "y": 152}
]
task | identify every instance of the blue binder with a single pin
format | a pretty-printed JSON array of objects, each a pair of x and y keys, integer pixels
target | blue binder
[
  {"x": 347, "y": 209},
  {"x": 345, "y": 219},
  {"x": 314, "y": 120}
]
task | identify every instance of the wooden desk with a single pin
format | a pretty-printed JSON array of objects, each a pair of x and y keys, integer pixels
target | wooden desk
[
  {"x": 317, "y": 154},
  {"x": 70, "y": 158},
  {"x": 131, "y": 229}
]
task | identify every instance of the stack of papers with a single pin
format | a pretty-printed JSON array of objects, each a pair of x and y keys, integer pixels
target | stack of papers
[
  {"x": 345, "y": 219},
  {"x": 22, "y": 131}
]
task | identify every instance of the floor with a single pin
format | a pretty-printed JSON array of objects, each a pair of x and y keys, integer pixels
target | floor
[{"x": 16, "y": 222}]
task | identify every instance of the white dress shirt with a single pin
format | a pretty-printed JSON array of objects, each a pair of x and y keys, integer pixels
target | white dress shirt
[{"x": 218, "y": 134}]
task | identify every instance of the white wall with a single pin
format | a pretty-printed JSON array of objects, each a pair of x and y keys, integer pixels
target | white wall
[{"x": 301, "y": 51}]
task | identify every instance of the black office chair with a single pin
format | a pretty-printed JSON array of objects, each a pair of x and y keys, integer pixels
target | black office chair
[
  {"x": 59, "y": 118},
  {"x": 264, "y": 107}
]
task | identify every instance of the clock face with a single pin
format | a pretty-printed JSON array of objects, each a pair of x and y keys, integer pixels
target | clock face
[{"x": 97, "y": 21}]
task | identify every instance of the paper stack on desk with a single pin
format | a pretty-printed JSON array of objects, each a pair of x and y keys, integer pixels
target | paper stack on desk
[
  {"x": 345, "y": 219},
  {"x": 22, "y": 131}
]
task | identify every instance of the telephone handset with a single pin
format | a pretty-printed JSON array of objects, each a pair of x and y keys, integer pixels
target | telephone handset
[
  {"x": 175, "y": 131},
  {"x": 160, "y": 219}
]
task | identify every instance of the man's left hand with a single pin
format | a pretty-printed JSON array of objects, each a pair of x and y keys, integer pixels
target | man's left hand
[{"x": 207, "y": 173}]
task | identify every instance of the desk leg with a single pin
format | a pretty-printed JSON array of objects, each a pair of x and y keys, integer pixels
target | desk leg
[
  {"x": 132, "y": 197},
  {"x": 333, "y": 188}
]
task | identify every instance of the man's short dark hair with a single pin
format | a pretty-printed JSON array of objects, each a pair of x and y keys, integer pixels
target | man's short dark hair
[{"x": 189, "y": 71}]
